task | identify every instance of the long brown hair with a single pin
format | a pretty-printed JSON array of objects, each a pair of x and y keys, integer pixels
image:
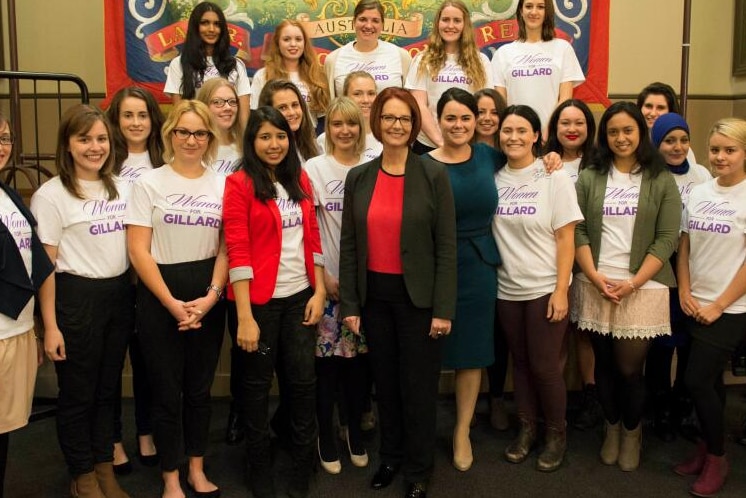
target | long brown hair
[{"x": 78, "y": 120}]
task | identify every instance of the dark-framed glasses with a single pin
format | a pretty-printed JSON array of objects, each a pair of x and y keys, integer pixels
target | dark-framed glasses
[
  {"x": 218, "y": 102},
  {"x": 390, "y": 119},
  {"x": 184, "y": 134},
  {"x": 7, "y": 139}
]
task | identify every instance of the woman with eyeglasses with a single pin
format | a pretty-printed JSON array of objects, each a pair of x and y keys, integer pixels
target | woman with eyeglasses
[
  {"x": 277, "y": 281},
  {"x": 81, "y": 224},
  {"x": 175, "y": 242},
  {"x": 219, "y": 95},
  {"x": 205, "y": 55},
  {"x": 291, "y": 56},
  {"x": 397, "y": 280},
  {"x": 136, "y": 122},
  {"x": 27, "y": 271}
]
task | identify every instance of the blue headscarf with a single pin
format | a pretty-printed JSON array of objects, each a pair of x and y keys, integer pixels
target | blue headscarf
[{"x": 664, "y": 125}]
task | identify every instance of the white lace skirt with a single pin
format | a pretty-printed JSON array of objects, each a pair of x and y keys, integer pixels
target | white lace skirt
[{"x": 641, "y": 315}]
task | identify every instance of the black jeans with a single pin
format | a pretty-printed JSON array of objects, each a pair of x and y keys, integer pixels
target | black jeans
[
  {"x": 405, "y": 362},
  {"x": 282, "y": 331},
  {"x": 96, "y": 317},
  {"x": 141, "y": 390},
  {"x": 236, "y": 357},
  {"x": 704, "y": 374},
  {"x": 181, "y": 364}
]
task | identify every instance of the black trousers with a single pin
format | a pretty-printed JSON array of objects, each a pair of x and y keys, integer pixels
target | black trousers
[
  {"x": 704, "y": 373},
  {"x": 181, "y": 364},
  {"x": 96, "y": 317},
  {"x": 282, "y": 331},
  {"x": 406, "y": 369},
  {"x": 498, "y": 371},
  {"x": 236, "y": 357}
]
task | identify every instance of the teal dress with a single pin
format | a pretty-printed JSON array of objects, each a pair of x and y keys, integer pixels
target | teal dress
[{"x": 471, "y": 342}]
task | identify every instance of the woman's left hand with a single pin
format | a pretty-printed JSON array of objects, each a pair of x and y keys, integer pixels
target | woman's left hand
[
  {"x": 197, "y": 309},
  {"x": 708, "y": 314},
  {"x": 621, "y": 288},
  {"x": 314, "y": 309},
  {"x": 439, "y": 327},
  {"x": 552, "y": 162},
  {"x": 557, "y": 306}
]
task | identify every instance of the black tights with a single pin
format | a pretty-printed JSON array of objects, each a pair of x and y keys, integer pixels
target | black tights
[
  {"x": 4, "y": 437},
  {"x": 704, "y": 379},
  {"x": 497, "y": 372},
  {"x": 619, "y": 377}
]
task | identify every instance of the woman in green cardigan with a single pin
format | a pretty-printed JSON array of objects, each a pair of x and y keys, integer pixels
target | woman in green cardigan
[{"x": 632, "y": 211}]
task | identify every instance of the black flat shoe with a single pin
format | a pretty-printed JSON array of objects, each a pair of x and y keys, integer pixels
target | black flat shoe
[
  {"x": 383, "y": 476},
  {"x": 234, "y": 433},
  {"x": 215, "y": 493},
  {"x": 146, "y": 460},
  {"x": 416, "y": 490},
  {"x": 123, "y": 469}
]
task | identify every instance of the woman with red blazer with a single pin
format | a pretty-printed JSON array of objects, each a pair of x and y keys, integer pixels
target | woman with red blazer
[{"x": 277, "y": 282}]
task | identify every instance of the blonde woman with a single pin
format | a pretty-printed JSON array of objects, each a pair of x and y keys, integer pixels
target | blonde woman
[{"x": 452, "y": 60}]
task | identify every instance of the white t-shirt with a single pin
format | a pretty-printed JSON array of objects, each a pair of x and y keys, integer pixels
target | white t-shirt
[
  {"x": 185, "y": 213},
  {"x": 532, "y": 73},
  {"x": 328, "y": 180},
  {"x": 135, "y": 165},
  {"x": 88, "y": 233},
  {"x": 618, "y": 223},
  {"x": 572, "y": 168},
  {"x": 697, "y": 174},
  {"x": 383, "y": 63},
  {"x": 260, "y": 79},
  {"x": 20, "y": 230},
  {"x": 291, "y": 276},
  {"x": 715, "y": 219},
  {"x": 373, "y": 147},
  {"x": 175, "y": 75},
  {"x": 227, "y": 161},
  {"x": 531, "y": 206},
  {"x": 451, "y": 75}
]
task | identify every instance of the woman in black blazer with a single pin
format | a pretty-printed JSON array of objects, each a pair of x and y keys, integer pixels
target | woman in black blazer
[{"x": 398, "y": 277}]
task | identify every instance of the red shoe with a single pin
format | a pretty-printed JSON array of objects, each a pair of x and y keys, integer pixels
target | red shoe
[
  {"x": 694, "y": 465},
  {"x": 712, "y": 478}
]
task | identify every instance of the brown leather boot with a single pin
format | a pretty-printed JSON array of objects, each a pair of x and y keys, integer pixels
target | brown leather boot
[
  {"x": 610, "y": 448},
  {"x": 107, "y": 481},
  {"x": 519, "y": 449},
  {"x": 629, "y": 448},
  {"x": 554, "y": 451},
  {"x": 86, "y": 486}
]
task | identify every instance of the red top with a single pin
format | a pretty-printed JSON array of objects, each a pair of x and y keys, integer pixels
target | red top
[
  {"x": 253, "y": 236},
  {"x": 384, "y": 224}
]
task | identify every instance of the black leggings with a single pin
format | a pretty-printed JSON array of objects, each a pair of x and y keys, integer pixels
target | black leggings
[
  {"x": 619, "y": 377},
  {"x": 4, "y": 438},
  {"x": 497, "y": 372},
  {"x": 704, "y": 374},
  {"x": 350, "y": 375}
]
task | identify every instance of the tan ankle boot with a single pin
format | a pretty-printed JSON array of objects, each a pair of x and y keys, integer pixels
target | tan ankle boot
[
  {"x": 107, "y": 481},
  {"x": 519, "y": 449},
  {"x": 86, "y": 486},
  {"x": 629, "y": 448},
  {"x": 554, "y": 450},
  {"x": 610, "y": 448}
]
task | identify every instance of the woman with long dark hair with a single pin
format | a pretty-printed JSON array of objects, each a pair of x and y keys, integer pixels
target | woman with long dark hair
[
  {"x": 206, "y": 55},
  {"x": 277, "y": 282},
  {"x": 632, "y": 210}
]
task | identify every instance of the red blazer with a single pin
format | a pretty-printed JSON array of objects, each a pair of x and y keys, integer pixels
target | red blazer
[{"x": 253, "y": 235}]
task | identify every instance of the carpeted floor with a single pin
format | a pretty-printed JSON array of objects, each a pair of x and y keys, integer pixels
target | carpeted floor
[{"x": 36, "y": 468}]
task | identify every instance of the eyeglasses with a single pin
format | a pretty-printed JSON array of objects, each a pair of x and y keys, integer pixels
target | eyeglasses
[
  {"x": 217, "y": 102},
  {"x": 390, "y": 119},
  {"x": 6, "y": 139},
  {"x": 184, "y": 134}
]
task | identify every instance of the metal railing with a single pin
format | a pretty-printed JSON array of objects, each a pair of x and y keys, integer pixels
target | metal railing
[{"x": 26, "y": 160}]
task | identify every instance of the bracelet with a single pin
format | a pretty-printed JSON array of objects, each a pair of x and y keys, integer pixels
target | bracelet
[
  {"x": 629, "y": 281},
  {"x": 216, "y": 289}
]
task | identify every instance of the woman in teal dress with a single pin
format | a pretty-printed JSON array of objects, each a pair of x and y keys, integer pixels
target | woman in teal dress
[{"x": 471, "y": 168}]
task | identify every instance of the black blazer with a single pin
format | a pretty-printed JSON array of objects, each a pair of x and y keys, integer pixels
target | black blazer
[
  {"x": 428, "y": 236},
  {"x": 16, "y": 288}
]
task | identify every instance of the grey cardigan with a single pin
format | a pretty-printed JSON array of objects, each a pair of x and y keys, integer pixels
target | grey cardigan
[
  {"x": 657, "y": 222},
  {"x": 428, "y": 237}
]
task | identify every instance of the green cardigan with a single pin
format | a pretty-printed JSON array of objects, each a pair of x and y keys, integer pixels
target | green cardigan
[{"x": 657, "y": 222}]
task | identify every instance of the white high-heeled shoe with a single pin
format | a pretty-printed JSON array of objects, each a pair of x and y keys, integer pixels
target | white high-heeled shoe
[
  {"x": 333, "y": 467},
  {"x": 357, "y": 460}
]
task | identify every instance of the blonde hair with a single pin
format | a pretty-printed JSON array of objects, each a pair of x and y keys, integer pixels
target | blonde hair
[
  {"x": 206, "y": 93},
  {"x": 349, "y": 112},
  {"x": 201, "y": 110},
  {"x": 309, "y": 69},
  {"x": 434, "y": 57},
  {"x": 733, "y": 128}
]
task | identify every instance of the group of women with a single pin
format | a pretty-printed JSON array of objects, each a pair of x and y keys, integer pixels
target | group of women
[{"x": 435, "y": 222}]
